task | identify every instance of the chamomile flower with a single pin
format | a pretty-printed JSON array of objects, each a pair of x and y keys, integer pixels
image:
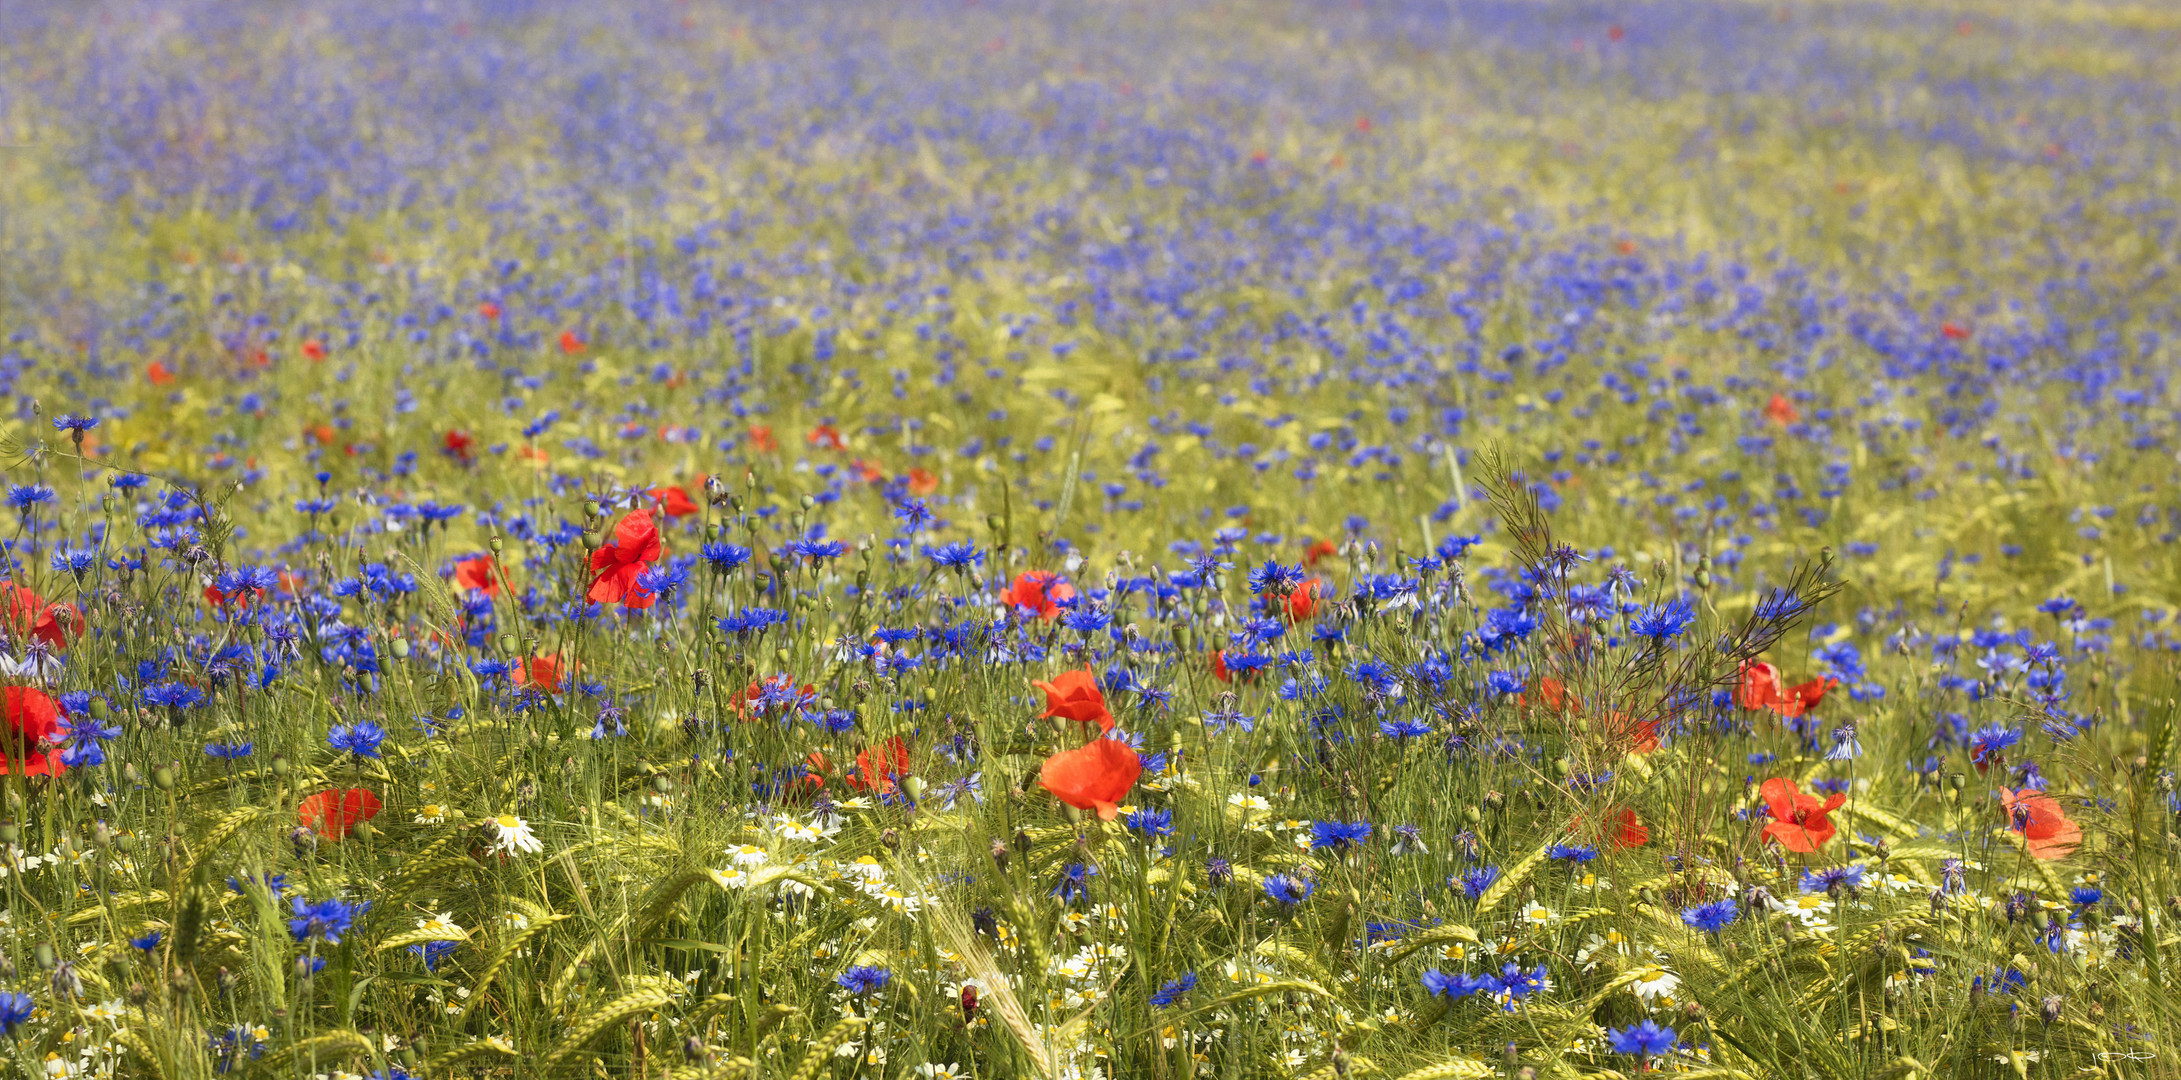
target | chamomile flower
[{"x": 512, "y": 835}]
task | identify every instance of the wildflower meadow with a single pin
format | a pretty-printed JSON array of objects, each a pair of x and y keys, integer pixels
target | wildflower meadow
[{"x": 1066, "y": 539}]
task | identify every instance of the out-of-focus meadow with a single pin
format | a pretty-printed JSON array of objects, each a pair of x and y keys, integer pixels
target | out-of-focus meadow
[{"x": 1006, "y": 539}]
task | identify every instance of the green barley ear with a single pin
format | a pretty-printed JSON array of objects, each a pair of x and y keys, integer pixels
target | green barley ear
[
  {"x": 1458, "y": 1069},
  {"x": 626, "y": 1007},
  {"x": 821, "y": 1048},
  {"x": 1512, "y": 879},
  {"x": 2160, "y": 749},
  {"x": 321, "y": 1050},
  {"x": 189, "y": 929},
  {"x": 439, "y": 1064}
]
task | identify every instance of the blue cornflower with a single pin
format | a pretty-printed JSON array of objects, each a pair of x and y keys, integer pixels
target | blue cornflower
[
  {"x": 1150, "y": 822},
  {"x": 1989, "y": 742},
  {"x": 1377, "y": 678},
  {"x": 1845, "y": 745},
  {"x": 1403, "y": 730},
  {"x": 1504, "y": 682},
  {"x": 81, "y": 725},
  {"x": 1646, "y": 1039},
  {"x": 15, "y": 1010},
  {"x": 1457, "y": 985},
  {"x": 1663, "y": 622},
  {"x": 1339, "y": 834},
  {"x": 1713, "y": 917},
  {"x": 25, "y": 496},
  {"x": 2086, "y": 895},
  {"x": 954, "y": 555},
  {"x": 724, "y": 557},
  {"x": 1174, "y": 989},
  {"x": 815, "y": 550},
  {"x": 361, "y": 738},
  {"x": 833, "y": 721},
  {"x": 864, "y": 981},
  {"x": 1074, "y": 882},
  {"x": 489, "y": 669},
  {"x": 433, "y": 952},
  {"x": 77, "y": 561},
  {"x": 1574, "y": 853},
  {"x": 228, "y": 751},
  {"x": 173, "y": 695},
  {"x": 662, "y": 579},
  {"x": 1513, "y": 984},
  {"x": 1473, "y": 881},
  {"x": 1289, "y": 891},
  {"x": 913, "y": 514},
  {"x": 1274, "y": 579},
  {"x": 327, "y": 919},
  {"x": 1846, "y": 877},
  {"x": 72, "y": 422},
  {"x": 148, "y": 942}
]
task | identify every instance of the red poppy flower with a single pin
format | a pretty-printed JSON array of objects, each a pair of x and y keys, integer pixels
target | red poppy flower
[
  {"x": 2044, "y": 826},
  {"x": 826, "y": 437},
  {"x": 475, "y": 573},
  {"x": 458, "y": 443},
  {"x": 1074, "y": 695},
  {"x": 27, "y": 615},
  {"x": 488, "y": 310},
  {"x": 1554, "y": 694},
  {"x": 615, "y": 567},
  {"x": 922, "y": 482},
  {"x": 1646, "y": 737},
  {"x": 1781, "y": 410},
  {"x": 241, "y": 598},
  {"x": 335, "y": 814},
  {"x": 674, "y": 501},
  {"x": 761, "y": 437},
  {"x": 881, "y": 771},
  {"x": 1622, "y": 830},
  {"x": 1094, "y": 777},
  {"x": 1615, "y": 33},
  {"x": 159, "y": 374},
  {"x": 1954, "y": 331},
  {"x": 1042, "y": 591},
  {"x": 314, "y": 349},
  {"x": 543, "y": 672},
  {"x": 1317, "y": 549},
  {"x": 1760, "y": 689},
  {"x": 33, "y": 722},
  {"x": 1803, "y": 697},
  {"x": 1302, "y": 604},
  {"x": 1798, "y": 821},
  {"x": 865, "y": 471},
  {"x": 570, "y": 343}
]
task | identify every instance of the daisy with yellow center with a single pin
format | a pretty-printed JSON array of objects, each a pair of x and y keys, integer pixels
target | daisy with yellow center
[{"x": 512, "y": 834}]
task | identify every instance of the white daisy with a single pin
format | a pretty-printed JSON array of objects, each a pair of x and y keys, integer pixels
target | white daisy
[{"x": 512, "y": 834}]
